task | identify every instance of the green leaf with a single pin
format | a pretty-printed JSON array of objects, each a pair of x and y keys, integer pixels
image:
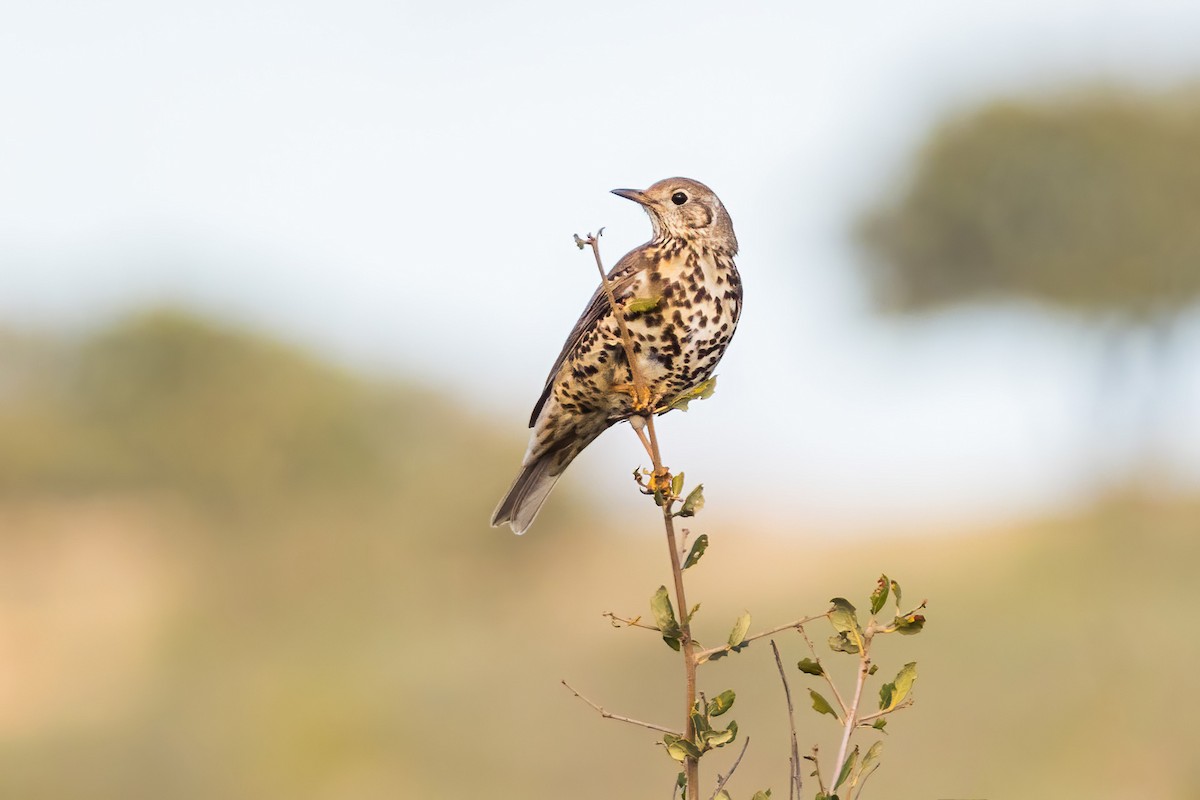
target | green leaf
[
  {"x": 692, "y": 613},
  {"x": 721, "y": 738},
  {"x": 842, "y": 643},
  {"x": 902, "y": 684},
  {"x": 677, "y": 484},
  {"x": 659, "y": 498},
  {"x": 821, "y": 705},
  {"x": 871, "y": 756},
  {"x": 697, "y": 551},
  {"x": 721, "y": 703},
  {"x": 640, "y": 305},
  {"x": 580, "y": 243},
  {"x": 810, "y": 667},
  {"x": 843, "y": 618},
  {"x": 879, "y": 724},
  {"x": 847, "y": 767},
  {"x": 664, "y": 616},
  {"x": 880, "y": 595},
  {"x": 910, "y": 624},
  {"x": 896, "y": 594},
  {"x": 722, "y": 795},
  {"x": 701, "y": 391},
  {"x": 874, "y": 667},
  {"x": 740, "y": 628},
  {"x": 764, "y": 794},
  {"x": 692, "y": 503},
  {"x": 679, "y": 748}
]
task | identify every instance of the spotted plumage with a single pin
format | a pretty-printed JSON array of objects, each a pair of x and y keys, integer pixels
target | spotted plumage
[{"x": 680, "y": 296}]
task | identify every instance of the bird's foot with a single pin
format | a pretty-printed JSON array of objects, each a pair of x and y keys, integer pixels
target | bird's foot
[{"x": 641, "y": 396}]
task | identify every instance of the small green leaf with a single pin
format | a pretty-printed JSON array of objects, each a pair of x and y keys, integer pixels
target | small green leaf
[
  {"x": 722, "y": 795},
  {"x": 874, "y": 667},
  {"x": 640, "y": 305},
  {"x": 677, "y": 484},
  {"x": 821, "y": 705},
  {"x": 764, "y": 794},
  {"x": 740, "y": 629},
  {"x": 659, "y": 498},
  {"x": 697, "y": 551},
  {"x": 847, "y": 766},
  {"x": 701, "y": 391},
  {"x": 902, "y": 684},
  {"x": 871, "y": 756},
  {"x": 879, "y": 724},
  {"x": 909, "y": 624},
  {"x": 692, "y": 613},
  {"x": 810, "y": 667},
  {"x": 721, "y": 703},
  {"x": 692, "y": 503},
  {"x": 880, "y": 595},
  {"x": 580, "y": 243},
  {"x": 664, "y": 616},
  {"x": 896, "y": 594}
]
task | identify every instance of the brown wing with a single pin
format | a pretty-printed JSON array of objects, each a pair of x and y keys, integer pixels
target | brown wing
[{"x": 597, "y": 309}]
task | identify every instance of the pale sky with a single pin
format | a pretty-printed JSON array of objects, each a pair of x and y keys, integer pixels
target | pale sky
[{"x": 397, "y": 184}]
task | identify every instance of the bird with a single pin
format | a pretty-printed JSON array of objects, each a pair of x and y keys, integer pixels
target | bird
[{"x": 680, "y": 295}]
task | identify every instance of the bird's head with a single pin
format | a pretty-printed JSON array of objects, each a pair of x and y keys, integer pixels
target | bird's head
[{"x": 680, "y": 208}]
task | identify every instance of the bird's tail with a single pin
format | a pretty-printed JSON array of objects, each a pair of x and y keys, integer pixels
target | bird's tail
[{"x": 530, "y": 489}]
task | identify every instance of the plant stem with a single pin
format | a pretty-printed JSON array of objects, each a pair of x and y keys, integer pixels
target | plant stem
[
  {"x": 641, "y": 393},
  {"x": 851, "y": 719}
]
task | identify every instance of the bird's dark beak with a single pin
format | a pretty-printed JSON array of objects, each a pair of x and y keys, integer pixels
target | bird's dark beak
[{"x": 633, "y": 194}]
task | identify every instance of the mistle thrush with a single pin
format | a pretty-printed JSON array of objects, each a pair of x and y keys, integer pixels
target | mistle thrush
[{"x": 686, "y": 296}]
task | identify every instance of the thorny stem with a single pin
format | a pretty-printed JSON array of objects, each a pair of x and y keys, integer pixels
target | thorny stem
[{"x": 650, "y": 442}]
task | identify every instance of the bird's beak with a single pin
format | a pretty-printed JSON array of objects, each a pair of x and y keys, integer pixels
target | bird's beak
[{"x": 634, "y": 195}]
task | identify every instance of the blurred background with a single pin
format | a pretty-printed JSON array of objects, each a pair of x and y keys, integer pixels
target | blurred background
[{"x": 279, "y": 283}]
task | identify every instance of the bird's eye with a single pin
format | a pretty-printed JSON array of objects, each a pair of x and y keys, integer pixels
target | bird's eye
[{"x": 679, "y": 198}]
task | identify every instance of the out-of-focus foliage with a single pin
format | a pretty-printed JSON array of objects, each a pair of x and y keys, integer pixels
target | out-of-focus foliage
[
  {"x": 166, "y": 632},
  {"x": 1087, "y": 202}
]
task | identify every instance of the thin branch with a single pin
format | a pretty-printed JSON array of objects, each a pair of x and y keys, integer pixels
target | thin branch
[
  {"x": 869, "y": 717},
  {"x": 832, "y": 686},
  {"x": 630, "y": 623},
  {"x": 618, "y": 717},
  {"x": 705, "y": 655},
  {"x": 725, "y": 778},
  {"x": 794, "y": 787},
  {"x": 863, "y": 781},
  {"x": 816, "y": 760}
]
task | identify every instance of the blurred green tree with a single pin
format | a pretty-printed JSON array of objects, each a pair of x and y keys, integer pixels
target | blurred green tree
[{"x": 1085, "y": 203}]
